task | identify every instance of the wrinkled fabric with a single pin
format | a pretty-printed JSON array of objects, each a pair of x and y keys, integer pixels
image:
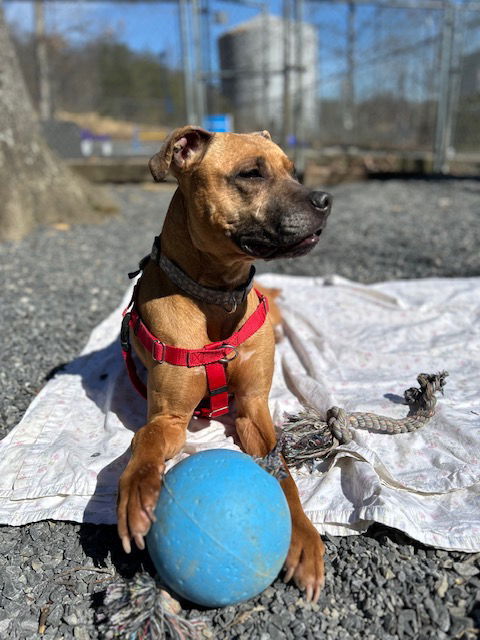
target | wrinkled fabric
[{"x": 344, "y": 344}]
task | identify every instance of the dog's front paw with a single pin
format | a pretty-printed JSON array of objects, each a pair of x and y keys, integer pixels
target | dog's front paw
[
  {"x": 304, "y": 561},
  {"x": 137, "y": 496}
]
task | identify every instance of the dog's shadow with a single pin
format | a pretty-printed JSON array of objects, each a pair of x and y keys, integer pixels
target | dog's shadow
[{"x": 103, "y": 378}]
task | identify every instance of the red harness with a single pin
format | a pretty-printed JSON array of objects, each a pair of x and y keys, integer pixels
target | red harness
[{"x": 214, "y": 356}]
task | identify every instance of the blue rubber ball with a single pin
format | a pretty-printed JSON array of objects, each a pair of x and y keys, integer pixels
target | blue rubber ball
[{"x": 222, "y": 529}]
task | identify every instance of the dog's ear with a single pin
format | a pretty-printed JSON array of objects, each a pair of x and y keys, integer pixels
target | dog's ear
[
  {"x": 264, "y": 134},
  {"x": 181, "y": 149}
]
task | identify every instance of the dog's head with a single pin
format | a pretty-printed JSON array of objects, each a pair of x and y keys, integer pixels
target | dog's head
[{"x": 242, "y": 187}]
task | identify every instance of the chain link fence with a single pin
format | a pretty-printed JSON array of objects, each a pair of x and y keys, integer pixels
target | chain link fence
[{"x": 387, "y": 76}]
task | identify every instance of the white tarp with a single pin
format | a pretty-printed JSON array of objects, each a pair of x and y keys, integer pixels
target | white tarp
[{"x": 345, "y": 344}]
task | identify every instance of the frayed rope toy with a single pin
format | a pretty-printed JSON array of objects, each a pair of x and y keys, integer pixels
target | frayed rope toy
[
  {"x": 308, "y": 437},
  {"x": 142, "y": 609}
]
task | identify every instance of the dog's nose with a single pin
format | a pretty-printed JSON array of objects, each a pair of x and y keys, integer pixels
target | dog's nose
[{"x": 321, "y": 200}]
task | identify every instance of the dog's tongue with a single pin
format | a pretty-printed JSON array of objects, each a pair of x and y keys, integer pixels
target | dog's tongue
[{"x": 306, "y": 242}]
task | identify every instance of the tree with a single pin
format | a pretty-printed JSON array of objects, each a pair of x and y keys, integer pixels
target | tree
[{"x": 36, "y": 186}]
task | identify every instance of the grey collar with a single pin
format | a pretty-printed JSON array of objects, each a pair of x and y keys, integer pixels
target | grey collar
[{"x": 229, "y": 300}]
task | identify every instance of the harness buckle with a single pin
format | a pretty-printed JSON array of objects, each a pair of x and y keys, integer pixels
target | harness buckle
[
  {"x": 162, "y": 360},
  {"x": 125, "y": 332},
  {"x": 226, "y": 360}
]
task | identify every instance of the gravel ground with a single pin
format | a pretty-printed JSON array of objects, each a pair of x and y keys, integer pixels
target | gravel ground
[{"x": 59, "y": 283}]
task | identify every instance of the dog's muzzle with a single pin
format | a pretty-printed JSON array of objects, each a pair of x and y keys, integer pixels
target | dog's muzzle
[{"x": 292, "y": 234}]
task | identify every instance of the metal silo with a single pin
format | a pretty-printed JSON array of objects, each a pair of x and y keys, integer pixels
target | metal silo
[{"x": 255, "y": 57}]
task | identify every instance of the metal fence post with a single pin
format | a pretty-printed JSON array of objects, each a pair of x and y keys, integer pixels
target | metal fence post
[
  {"x": 198, "y": 62},
  {"x": 454, "y": 95},
  {"x": 287, "y": 86},
  {"x": 298, "y": 111},
  {"x": 349, "y": 105},
  {"x": 444, "y": 118},
  {"x": 187, "y": 71}
]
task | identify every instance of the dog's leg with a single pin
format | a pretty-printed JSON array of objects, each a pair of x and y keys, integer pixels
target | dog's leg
[
  {"x": 157, "y": 441},
  {"x": 172, "y": 397},
  {"x": 304, "y": 561}
]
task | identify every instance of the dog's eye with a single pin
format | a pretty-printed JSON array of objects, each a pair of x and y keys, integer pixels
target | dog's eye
[{"x": 252, "y": 173}]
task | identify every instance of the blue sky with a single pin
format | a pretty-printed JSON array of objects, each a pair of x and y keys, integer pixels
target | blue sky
[
  {"x": 149, "y": 26},
  {"x": 153, "y": 27}
]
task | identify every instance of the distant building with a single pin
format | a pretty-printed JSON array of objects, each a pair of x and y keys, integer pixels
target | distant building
[{"x": 252, "y": 64}]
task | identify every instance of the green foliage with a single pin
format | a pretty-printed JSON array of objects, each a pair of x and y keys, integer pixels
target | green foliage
[
  {"x": 137, "y": 86},
  {"x": 106, "y": 76}
]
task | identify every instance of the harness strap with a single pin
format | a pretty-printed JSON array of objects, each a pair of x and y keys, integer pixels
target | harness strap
[
  {"x": 218, "y": 391},
  {"x": 213, "y": 356}
]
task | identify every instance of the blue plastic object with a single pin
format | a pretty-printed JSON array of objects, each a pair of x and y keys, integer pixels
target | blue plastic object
[{"x": 223, "y": 528}]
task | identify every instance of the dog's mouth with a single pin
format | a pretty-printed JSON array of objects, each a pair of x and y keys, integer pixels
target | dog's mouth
[{"x": 270, "y": 251}]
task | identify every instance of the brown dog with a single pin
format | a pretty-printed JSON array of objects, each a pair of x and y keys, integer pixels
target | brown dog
[{"x": 237, "y": 200}]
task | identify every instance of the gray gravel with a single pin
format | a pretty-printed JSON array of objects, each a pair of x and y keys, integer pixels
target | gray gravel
[{"x": 58, "y": 284}]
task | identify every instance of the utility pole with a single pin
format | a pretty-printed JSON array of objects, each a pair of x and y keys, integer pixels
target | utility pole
[{"x": 41, "y": 53}]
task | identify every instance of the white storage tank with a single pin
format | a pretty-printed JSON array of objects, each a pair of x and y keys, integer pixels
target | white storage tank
[{"x": 252, "y": 63}]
